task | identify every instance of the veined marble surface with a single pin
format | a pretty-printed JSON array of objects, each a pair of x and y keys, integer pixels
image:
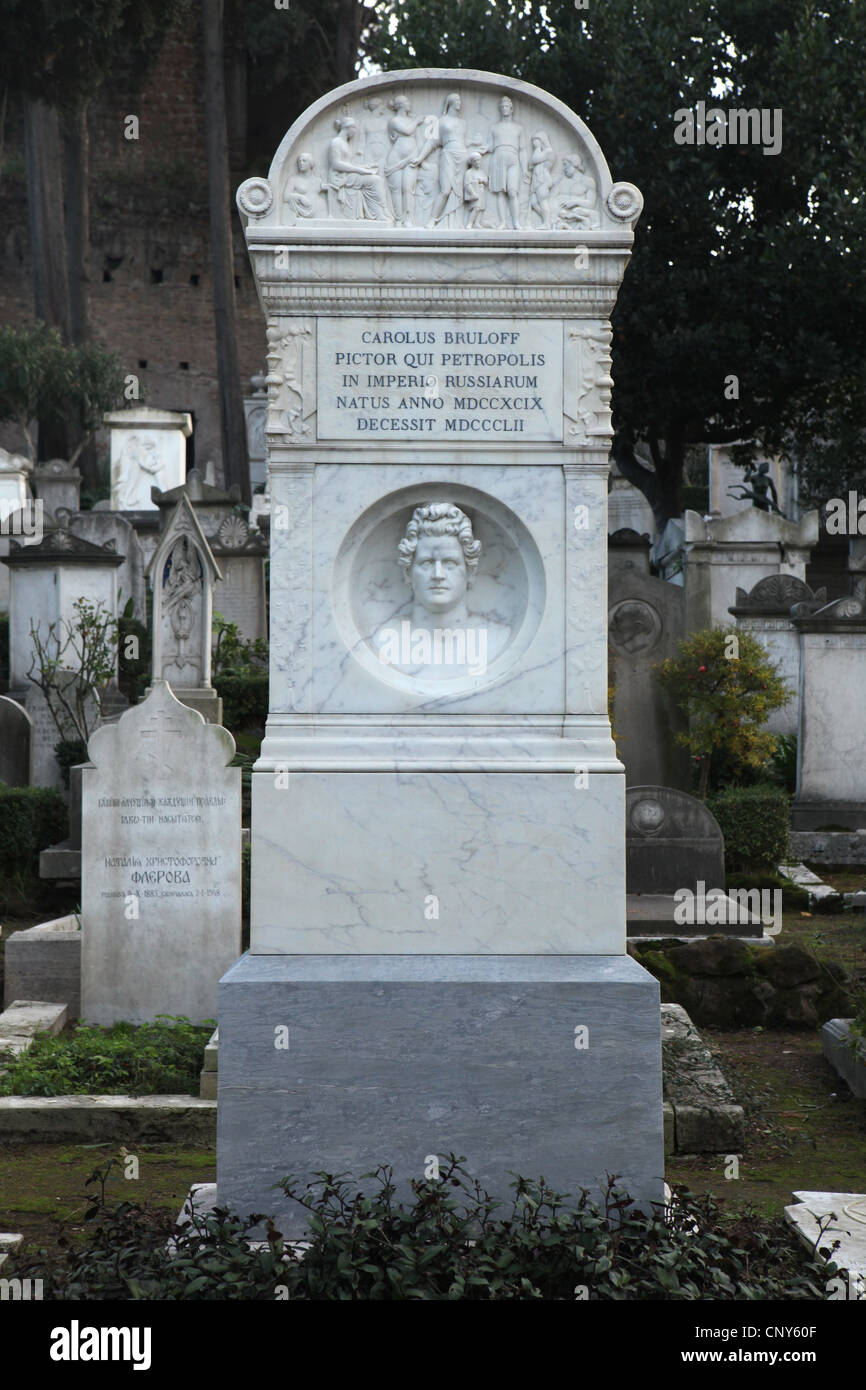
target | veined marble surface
[{"x": 438, "y": 863}]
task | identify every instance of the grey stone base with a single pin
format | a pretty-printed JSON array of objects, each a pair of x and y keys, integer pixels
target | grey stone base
[
  {"x": 809, "y": 815},
  {"x": 652, "y": 914},
  {"x": 44, "y": 962},
  {"x": 830, "y": 846},
  {"x": 393, "y": 1059},
  {"x": 60, "y": 861}
]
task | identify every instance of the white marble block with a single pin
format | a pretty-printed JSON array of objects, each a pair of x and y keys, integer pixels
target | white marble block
[
  {"x": 148, "y": 450},
  {"x": 160, "y": 864}
]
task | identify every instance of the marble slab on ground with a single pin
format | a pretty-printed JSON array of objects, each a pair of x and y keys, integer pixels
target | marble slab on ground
[
  {"x": 652, "y": 914},
  {"x": 847, "y": 1225}
]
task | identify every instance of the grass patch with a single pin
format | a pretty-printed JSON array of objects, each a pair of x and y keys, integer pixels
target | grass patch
[
  {"x": 161, "y": 1058},
  {"x": 44, "y": 1185},
  {"x": 804, "y": 1128}
]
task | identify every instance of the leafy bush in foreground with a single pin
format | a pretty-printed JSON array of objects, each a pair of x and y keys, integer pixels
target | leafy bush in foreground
[
  {"x": 449, "y": 1243},
  {"x": 161, "y": 1058}
]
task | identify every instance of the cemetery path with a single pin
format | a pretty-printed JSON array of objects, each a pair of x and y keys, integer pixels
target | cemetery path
[{"x": 804, "y": 1128}]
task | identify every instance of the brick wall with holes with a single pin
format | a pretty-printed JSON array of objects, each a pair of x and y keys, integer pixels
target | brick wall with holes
[{"x": 148, "y": 264}]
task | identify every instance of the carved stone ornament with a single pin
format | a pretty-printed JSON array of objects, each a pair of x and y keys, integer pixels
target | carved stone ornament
[
  {"x": 776, "y": 593},
  {"x": 444, "y": 150}
]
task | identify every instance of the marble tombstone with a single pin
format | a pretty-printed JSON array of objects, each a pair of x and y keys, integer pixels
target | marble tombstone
[
  {"x": 438, "y": 837},
  {"x": 161, "y": 864}
]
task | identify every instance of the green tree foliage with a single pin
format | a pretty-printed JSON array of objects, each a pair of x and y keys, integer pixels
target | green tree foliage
[
  {"x": 42, "y": 378},
  {"x": 745, "y": 265},
  {"x": 726, "y": 685}
]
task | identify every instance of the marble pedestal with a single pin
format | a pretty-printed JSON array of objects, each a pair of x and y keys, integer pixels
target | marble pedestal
[{"x": 391, "y": 1059}]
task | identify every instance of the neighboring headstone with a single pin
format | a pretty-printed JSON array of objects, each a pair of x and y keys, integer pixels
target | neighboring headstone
[
  {"x": 16, "y": 744},
  {"x": 438, "y": 665},
  {"x": 831, "y": 746},
  {"x": 46, "y": 581},
  {"x": 627, "y": 508},
  {"x": 148, "y": 450},
  {"x": 58, "y": 484},
  {"x": 673, "y": 841},
  {"x": 14, "y": 496},
  {"x": 109, "y": 529},
  {"x": 255, "y": 411},
  {"x": 14, "y": 486},
  {"x": 645, "y": 622},
  {"x": 766, "y": 612},
  {"x": 239, "y": 548},
  {"x": 161, "y": 864},
  {"x": 182, "y": 575},
  {"x": 721, "y": 556}
]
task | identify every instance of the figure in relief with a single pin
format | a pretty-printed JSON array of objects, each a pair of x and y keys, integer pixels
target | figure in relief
[
  {"x": 541, "y": 162},
  {"x": 355, "y": 191},
  {"x": 374, "y": 133},
  {"x": 449, "y": 137},
  {"x": 506, "y": 144},
  {"x": 436, "y": 634},
  {"x": 400, "y": 168},
  {"x": 304, "y": 189},
  {"x": 140, "y": 467},
  {"x": 182, "y": 588},
  {"x": 474, "y": 191},
  {"x": 576, "y": 195}
]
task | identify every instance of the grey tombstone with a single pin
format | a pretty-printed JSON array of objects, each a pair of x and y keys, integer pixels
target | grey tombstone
[
  {"x": 161, "y": 864},
  {"x": 675, "y": 870},
  {"x": 16, "y": 744},
  {"x": 765, "y": 611},
  {"x": 58, "y": 484},
  {"x": 182, "y": 574},
  {"x": 672, "y": 841},
  {"x": 239, "y": 548},
  {"x": 645, "y": 622},
  {"x": 831, "y": 745}
]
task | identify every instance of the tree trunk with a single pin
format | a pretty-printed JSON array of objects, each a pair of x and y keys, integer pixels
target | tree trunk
[
  {"x": 348, "y": 38},
  {"x": 662, "y": 488},
  {"x": 45, "y": 210},
  {"x": 76, "y": 157},
  {"x": 232, "y": 423}
]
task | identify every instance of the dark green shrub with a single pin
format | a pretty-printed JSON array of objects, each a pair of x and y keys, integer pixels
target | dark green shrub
[
  {"x": 161, "y": 1058},
  {"x": 449, "y": 1243},
  {"x": 133, "y": 671},
  {"x": 69, "y": 752},
  {"x": 31, "y": 819},
  {"x": 245, "y": 700},
  {"x": 755, "y": 822}
]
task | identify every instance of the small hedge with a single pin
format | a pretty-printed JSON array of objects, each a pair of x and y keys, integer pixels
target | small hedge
[
  {"x": 755, "y": 822},
  {"x": 31, "y": 819},
  {"x": 150, "y": 1059},
  {"x": 245, "y": 700},
  {"x": 449, "y": 1243}
]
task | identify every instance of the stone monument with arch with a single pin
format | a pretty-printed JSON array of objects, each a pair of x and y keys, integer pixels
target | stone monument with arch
[{"x": 438, "y": 930}]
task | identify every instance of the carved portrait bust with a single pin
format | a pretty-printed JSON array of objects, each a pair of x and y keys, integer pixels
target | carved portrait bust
[{"x": 436, "y": 633}]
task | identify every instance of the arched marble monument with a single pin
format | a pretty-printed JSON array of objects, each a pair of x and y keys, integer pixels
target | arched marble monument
[{"x": 438, "y": 833}]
